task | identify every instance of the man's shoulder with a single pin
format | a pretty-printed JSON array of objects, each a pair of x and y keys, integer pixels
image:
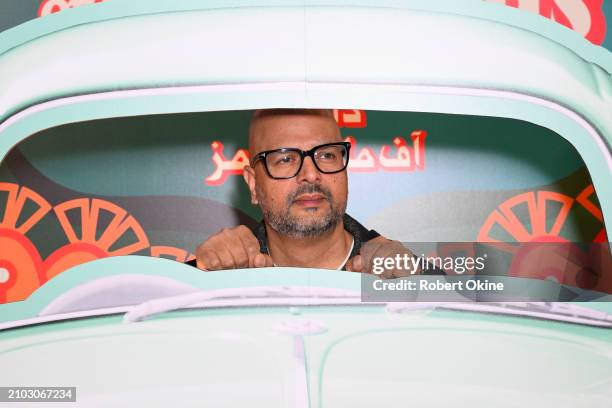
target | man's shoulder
[
  {"x": 360, "y": 234},
  {"x": 357, "y": 230}
]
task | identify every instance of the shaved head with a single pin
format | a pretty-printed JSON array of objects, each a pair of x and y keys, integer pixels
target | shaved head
[{"x": 262, "y": 116}]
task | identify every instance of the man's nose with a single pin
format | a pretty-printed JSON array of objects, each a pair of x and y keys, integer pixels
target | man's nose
[{"x": 309, "y": 171}]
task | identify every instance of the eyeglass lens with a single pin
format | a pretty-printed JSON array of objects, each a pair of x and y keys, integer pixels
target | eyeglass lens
[{"x": 328, "y": 159}]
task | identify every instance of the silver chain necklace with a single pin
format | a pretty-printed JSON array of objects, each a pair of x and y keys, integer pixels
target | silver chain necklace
[{"x": 348, "y": 255}]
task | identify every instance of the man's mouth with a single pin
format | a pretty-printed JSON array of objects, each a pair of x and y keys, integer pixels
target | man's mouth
[{"x": 310, "y": 200}]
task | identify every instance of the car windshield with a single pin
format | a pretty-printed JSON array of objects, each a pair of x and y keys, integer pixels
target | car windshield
[{"x": 459, "y": 191}]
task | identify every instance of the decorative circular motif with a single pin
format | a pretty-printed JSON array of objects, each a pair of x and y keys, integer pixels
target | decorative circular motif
[
  {"x": 537, "y": 246},
  {"x": 4, "y": 275}
]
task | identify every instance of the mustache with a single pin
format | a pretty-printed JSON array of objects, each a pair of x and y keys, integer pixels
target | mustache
[{"x": 309, "y": 189}]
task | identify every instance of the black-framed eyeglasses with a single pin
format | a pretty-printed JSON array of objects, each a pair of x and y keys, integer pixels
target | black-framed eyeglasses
[{"x": 286, "y": 163}]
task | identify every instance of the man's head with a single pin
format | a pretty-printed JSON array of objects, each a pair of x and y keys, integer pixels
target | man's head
[{"x": 312, "y": 202}]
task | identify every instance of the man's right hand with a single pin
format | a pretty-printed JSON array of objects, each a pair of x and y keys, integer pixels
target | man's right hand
[{"x": 231, "y": 248}]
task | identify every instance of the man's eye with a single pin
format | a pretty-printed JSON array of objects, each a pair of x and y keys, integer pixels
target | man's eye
[
  {"x": 284, "y": 160},
  {"x": 327, "y": 156}
]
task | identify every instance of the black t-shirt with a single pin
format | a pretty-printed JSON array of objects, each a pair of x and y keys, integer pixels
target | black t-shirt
[{"x": 360, "y": 234}]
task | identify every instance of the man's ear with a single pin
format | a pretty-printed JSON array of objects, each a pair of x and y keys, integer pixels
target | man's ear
[{"x": 249, "y": 178}]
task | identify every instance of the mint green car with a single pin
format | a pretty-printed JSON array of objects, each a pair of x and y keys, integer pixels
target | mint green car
[{"x": 136, "y": 331}]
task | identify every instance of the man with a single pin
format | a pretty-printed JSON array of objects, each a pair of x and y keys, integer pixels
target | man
[{"x": 298, "y": 177}]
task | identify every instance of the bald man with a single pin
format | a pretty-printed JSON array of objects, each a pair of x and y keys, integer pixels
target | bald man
[{"x": 297, "y": 176}]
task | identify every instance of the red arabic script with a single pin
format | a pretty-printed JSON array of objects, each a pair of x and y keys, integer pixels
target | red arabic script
[
  {"x": 406, "y": 158},
  {"x": 363, "y": 160},
  {"x": 400, "y": 157},
  {"x": 53, "y": 6},
  {"x": 350, "y": 118},
  {"x": 224, "y": 166},
  {"x": 584, "y": 16}
]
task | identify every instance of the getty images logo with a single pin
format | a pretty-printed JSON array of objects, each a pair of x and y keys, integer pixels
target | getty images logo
[{"x": 414, "y": 265}]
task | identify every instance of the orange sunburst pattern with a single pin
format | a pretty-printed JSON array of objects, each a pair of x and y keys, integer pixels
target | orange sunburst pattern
[
  {"x": 585, "y": 198},
  {"x": 94, "y": 228},
  {"x": 14, "y": 205},
  {"x": 87, "y": 243},
  {"x": 177, "y": 254},
  {"x": 556, "y": 258},
  {"x": 507, "y": 220},
  {"x": 505, "y": 217},
  {"x": 90, "y": 210},
  {"x": 20, "y": 262}
]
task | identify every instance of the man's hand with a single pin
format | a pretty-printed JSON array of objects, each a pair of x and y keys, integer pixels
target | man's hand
[
  {"x": 231, "y": 248},
  {"x": 380, "y": 247}
]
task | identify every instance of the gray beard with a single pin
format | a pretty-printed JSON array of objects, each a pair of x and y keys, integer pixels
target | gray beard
[{"x": 286, "y": 224}]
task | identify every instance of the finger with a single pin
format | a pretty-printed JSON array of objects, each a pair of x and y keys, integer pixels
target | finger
[
  {"x": 259, "y": 261},
  {"x": 199, "y": 253},
  {"x": 401, "y": 267},
  {"x": 249, "y": 244},
  {"x": 199, "y": 259},
  {"x": 368, "y": 253},
  {"x": 236, "y": 247},
  {"x": 232, "y": 243},
  {"x": 389, "y": 251},
  {"x": 389, "y": 273},
  {"x": 400, "y": 273},
  {"x": 355, "y": 264},
  {"x": 200, "y": 265},
  {"x": 263, "y": 261},
  {"x": 225, "y": 257},
  {"x": 269, "y": 261},
  {"x": 207, "y": 260}
]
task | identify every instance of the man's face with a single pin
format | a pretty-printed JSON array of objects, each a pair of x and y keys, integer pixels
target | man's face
[{"x": 310, "y": 203}]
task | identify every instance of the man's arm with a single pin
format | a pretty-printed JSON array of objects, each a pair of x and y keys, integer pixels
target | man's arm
[{"x": 233, "y": 248}]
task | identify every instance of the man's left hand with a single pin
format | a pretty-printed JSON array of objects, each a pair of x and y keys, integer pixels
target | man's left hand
[{"x": 380, "y": 247}]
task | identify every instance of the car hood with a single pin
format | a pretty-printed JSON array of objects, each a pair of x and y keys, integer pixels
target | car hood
[{"x": 323, "y": 355}]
